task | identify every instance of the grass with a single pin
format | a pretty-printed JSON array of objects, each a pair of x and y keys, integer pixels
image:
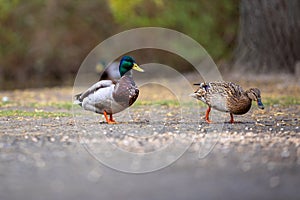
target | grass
[
  {"x": 9, "y": 111},
  {"x": 157, "y": 102},
  {"x": 58, "y": 105},
  {"x": 281, "y": 100},
  {"x": 36, "y": 113}
]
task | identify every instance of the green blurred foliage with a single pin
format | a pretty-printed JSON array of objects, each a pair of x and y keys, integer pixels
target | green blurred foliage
[
  {"x": 6, "y": 7},
  {"x": 43, "y": 42},
  {"x": 212, "y": 23}
]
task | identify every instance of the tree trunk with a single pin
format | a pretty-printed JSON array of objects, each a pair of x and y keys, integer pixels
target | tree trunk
[{"x": 269, "y": 37}]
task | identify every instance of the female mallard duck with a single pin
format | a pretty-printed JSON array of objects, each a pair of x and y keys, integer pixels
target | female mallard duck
[
  {"x": 106, "y": 97},
  {"x": 227, "y": 97}
]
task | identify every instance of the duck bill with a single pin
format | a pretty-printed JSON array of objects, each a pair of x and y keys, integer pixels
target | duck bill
[
  {"x": 260, "y": 104},
  {"x": 137, "y": 68}
]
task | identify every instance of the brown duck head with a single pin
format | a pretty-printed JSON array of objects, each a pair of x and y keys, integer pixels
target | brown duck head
[{"x": 254, "y": 94}]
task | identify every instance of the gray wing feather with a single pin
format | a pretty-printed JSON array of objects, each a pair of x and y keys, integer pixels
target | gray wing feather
[{"x": 93, "y": 88}]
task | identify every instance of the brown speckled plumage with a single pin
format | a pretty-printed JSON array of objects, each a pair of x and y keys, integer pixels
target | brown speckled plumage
[
  {"x": 227, "y": 97},
  {"x": 126, "y": 92}
]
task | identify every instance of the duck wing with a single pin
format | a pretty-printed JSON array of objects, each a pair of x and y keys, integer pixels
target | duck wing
[
  {"x": 227, "y": 89},
  {"x": 217, "y": 92},
  {"x": 93, "y": 88}
]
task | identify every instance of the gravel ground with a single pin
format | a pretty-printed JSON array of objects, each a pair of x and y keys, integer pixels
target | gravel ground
[{"x": 80, "y": 157}]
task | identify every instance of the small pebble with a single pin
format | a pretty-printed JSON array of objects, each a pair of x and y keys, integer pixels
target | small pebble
[
  {"x": 285, "y": 153},
  {"x": 5, "y": 99},
  {"x": 34, "y": 139},
  {"x": 274, "y": 181},
  {"x": 264, "y": 160},
  {"x": 126, "y": 142},
  {"x": 40, "y": 163},
  {"x": 94, "y": 175},
  {"x": 246, "y": 166},
  {"x": 249, "y": 134},
  {"x": 21, "y": 157},
  {"x": 271, "y": 166}
]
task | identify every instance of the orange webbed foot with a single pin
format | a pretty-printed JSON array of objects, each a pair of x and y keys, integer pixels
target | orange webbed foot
[
  {"x": 109, "y": 120},
  {"x": 208, "y": 121}
]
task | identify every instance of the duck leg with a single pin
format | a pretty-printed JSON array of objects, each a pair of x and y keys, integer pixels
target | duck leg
[
  {"x": 207, "y": 115},
  {"x": 110, "y": 119},
  {"x": 231, "y": 118}
]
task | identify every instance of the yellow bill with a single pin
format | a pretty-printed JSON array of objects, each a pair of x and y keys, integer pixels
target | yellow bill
[{"x": 137, "y": 68}]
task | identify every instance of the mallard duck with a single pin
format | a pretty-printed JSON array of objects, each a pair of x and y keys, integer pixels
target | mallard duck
[
  {"x": 227, "y": 97},
  {"x": 106, "y": 97}
]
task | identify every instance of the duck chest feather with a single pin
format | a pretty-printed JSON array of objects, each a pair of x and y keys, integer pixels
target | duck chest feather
[
  {"x": 239, "y": 106},
  {"x": 126, "y": 92}
]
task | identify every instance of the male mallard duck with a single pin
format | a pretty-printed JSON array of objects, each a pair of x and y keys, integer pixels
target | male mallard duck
[
  {"x": 227, "y": 97},
  {"x": 106, "y": 97}
]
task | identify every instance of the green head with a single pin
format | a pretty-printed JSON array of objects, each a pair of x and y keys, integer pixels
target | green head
[{"x": 127, "y": 63}]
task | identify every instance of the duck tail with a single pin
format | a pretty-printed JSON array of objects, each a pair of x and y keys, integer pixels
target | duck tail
[
  {"x": 201, "y": 84},
  {"x": 78, "y": 101}
]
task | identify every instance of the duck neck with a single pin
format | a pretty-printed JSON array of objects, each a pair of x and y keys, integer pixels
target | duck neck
[{"x": 124, "y": 72}]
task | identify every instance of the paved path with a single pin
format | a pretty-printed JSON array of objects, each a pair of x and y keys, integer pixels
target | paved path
[{"x": 47, "y": 157}]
